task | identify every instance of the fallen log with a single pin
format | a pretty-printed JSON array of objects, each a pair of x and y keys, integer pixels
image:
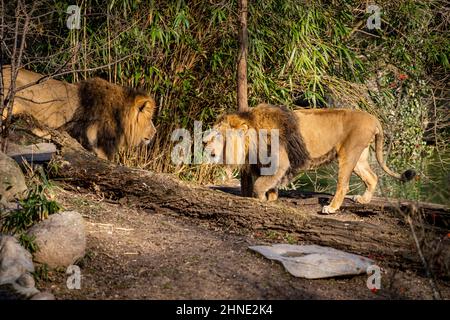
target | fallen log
[
  {"x": 153, "y": 191},
  {"x": 435, "y": 214},
  {"x": 440, "y": 214}
]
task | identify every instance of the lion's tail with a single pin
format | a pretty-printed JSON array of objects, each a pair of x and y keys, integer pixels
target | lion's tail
[{"x": 379, "y": 141}]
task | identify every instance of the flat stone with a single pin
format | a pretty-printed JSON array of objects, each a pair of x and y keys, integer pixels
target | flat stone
[
  {"x": 61, "y": 239},
  {"x": 315, "y": 262},
  {"x": 34, "y": 153}
]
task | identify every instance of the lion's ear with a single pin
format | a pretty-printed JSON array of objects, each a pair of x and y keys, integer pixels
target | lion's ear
[
  {"x": 145, "y": 105},
  {"x": 142, "y": 107}
]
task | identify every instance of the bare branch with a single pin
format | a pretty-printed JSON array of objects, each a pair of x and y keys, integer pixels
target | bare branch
[
  {"x": 57, "y": 73},
  {"x": 436, "y": 293}
]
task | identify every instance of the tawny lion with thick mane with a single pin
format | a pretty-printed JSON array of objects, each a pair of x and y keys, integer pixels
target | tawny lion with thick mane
[
  {"x": 102, "y": 116},
  {"x": 309, "y": 138}
]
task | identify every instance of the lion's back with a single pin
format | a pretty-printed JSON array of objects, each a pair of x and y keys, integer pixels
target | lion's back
[{"x": 51, "y": 102}]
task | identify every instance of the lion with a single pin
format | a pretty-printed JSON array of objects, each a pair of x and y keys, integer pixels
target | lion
[
  {"x": 102, "y": 116},
  {"x": 308, "y": 138}
]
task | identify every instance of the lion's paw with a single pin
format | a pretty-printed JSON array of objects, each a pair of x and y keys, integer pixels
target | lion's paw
[
  {"x": 272, "y": 196},
  {"x": 328, "y": 210},
  {"x": 260, "y": 196},
  {"x": 360, "y": 199}
]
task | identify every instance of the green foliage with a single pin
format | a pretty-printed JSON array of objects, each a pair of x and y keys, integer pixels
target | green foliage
[
  {"x": 41, "y": 273},
  {"x": 184, "y": 53},
  {"x": 34, "y": 208},
  {"x": 28, "y": 242}
]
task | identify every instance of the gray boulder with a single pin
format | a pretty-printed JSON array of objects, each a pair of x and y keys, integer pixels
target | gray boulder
[
  {"x": 43, "y": 296},
  {"x": 61, "y": 239},
  {"x": 12, "y": 181},
  {"x": 15, "y": 266}
]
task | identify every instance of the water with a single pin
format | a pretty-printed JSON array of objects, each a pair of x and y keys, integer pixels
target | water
[{"x": 431, "y": 185}]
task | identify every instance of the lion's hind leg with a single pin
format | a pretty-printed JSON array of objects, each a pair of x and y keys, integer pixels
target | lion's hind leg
[
  {"x": 347, "y": 163},
  {"x": 370, "y": 179}
]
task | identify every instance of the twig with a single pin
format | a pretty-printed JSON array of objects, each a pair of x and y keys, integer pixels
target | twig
[
  {"x": 436, "y": 294},
  {"x": 55, "y": 74}
]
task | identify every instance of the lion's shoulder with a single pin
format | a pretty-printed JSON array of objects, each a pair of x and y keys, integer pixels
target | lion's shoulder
[
  {"x": 267, "y": 116},
  {"x": 281, "y": 118}
]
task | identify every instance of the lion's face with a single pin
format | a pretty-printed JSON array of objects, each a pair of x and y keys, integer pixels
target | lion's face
[
  {"x": 139, "y": 127},
  {"x": 214, "y": 142},
  {"x": 226, "y": 141}
]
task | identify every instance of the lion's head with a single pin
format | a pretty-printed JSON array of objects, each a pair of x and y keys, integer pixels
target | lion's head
[
  {"x": 254, "y": 136},
  {"x": 111, "y": 117},
  {"x": 137, "y": 121},
  {"x": 228, "y": 141}
]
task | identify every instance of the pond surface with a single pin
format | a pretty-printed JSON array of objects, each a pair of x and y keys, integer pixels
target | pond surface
[{"x": 431, "y": 185}]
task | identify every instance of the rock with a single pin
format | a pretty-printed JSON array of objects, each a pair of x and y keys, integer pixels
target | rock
[
  {"x": 14, "y": 260},
  {"x": 315, "y": 262},
  {"x": 61, "y": 239},
  {"x": 26, "y": 280},
  {"x": 7, "y": 293},
  {"x": 16, "y": 266},
  {"x": 43, "y": 296},
  {"x": 12, "y": 181},
  {"x": 35, "y": 153}
]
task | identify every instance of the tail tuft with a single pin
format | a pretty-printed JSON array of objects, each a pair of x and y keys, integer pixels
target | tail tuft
[{"x": 408, "y": 175}]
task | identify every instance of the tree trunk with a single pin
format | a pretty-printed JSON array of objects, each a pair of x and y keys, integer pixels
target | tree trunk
[
  {"x": 162, "y": 192},
  {"x": 242, "y": 91},
  {"x": 242, "y": 58}
]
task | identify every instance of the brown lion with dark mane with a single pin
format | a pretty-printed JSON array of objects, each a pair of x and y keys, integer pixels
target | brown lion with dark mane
[
  {"x": 102, "y": 116},
  {"x": 309, "y": 138}
]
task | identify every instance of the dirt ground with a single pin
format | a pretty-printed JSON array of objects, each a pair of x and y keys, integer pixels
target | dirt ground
[{"x": 134, "y": 254}]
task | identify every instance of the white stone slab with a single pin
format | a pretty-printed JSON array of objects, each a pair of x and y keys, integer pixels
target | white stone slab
[{"x": 315, "y": 262}]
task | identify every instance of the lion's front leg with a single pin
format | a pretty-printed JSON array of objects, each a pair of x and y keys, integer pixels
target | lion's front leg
[
  {"x": 247, "y": 181},
  {"x": 265, "y": 184},
  {"x": 262, "y": 186}
]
